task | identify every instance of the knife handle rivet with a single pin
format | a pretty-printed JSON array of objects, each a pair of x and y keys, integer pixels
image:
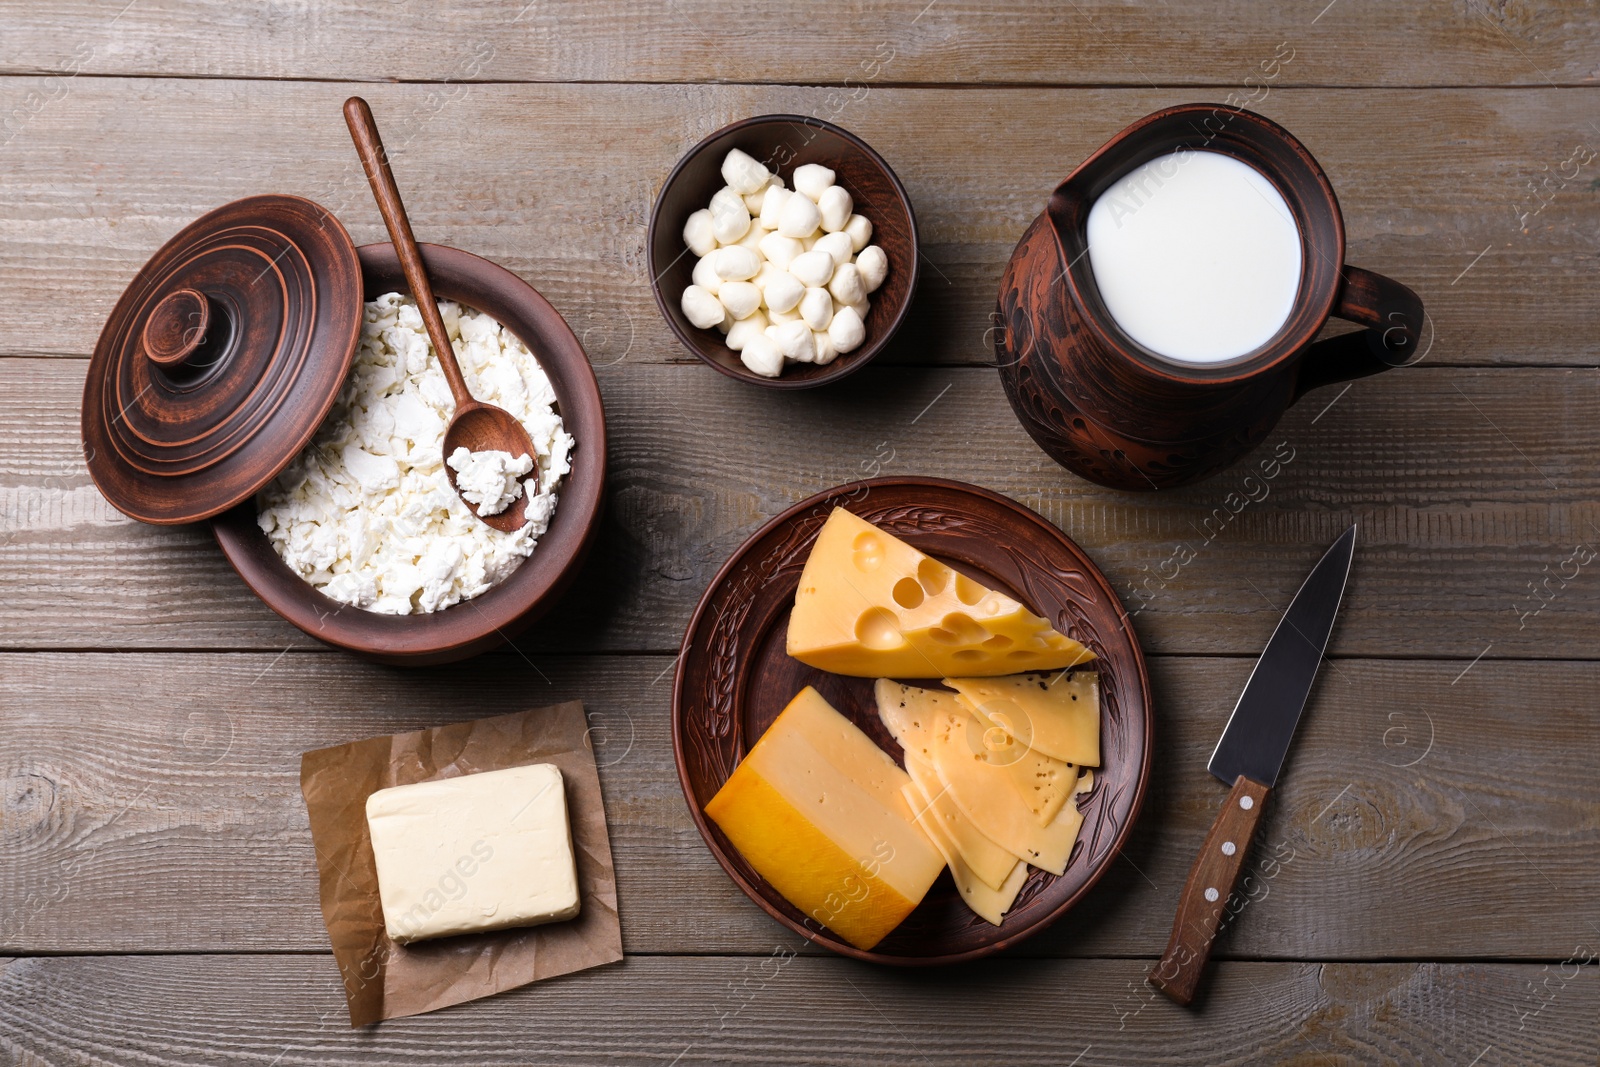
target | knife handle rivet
[
  {"x": 1211, "y": 893},
  {"x": 1247, "y": 803},
  {"x": 1229, "y": 848}
]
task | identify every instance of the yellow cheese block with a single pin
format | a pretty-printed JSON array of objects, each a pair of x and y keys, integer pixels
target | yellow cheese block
[
  {"x": 819, "y": 811},
  {"x": 991, "y": 863},
  {"x": 987, "y": 795},
  {"x": 989, "y": 902},
  {"x": 871, "y": 605},
  {"x": 915, "y": 715},
  {"x": 1057, "y": 713}
]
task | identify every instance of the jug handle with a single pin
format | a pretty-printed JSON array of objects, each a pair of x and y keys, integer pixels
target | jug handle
[{"x": 1393, "y": 317}]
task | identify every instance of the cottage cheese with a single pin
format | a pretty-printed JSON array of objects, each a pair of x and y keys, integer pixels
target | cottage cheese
[
  {"x": 366, "y": 513},
  {"x": 490, "y": 479}
]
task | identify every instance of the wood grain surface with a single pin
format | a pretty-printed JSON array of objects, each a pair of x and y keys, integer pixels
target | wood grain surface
[
  {"x": 1423, "y": 889},
  {"x": 127, "y": 796},
  {"x": 556, "y": 182},
  {"x": 944, "y": 41},
  {"x": 1469, "y": 485},
  {"x": 288, "y": 1010}
]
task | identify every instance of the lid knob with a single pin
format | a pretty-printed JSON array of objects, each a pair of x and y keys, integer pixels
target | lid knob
[{"x": 176, "y": 327}]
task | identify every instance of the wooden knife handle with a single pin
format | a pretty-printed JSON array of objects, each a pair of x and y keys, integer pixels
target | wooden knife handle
[{"x": 1205, "y": 895}]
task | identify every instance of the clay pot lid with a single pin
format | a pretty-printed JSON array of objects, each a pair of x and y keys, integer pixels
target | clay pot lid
[{"x": 221, "y": 359}]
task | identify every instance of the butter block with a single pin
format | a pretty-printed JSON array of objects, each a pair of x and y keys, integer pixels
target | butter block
[{"x": 474, "y": 853}]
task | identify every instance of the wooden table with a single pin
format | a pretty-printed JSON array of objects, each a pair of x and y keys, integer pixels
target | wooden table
[{"x": 1436, "y": 894}]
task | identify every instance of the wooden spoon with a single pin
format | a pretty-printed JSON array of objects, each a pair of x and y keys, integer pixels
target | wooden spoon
[{"x": 477, "y": 427}]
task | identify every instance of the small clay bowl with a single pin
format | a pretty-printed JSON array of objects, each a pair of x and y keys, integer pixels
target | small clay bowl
[
  {"x": 784, "y": 142},
  {"x": 485, "y": 621}
]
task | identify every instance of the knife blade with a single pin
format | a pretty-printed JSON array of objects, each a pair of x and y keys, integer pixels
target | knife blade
[{"x": 1249, "y": 756}]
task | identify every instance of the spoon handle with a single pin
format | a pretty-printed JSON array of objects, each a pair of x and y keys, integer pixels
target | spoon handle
[{"x": 369, "y": 146}]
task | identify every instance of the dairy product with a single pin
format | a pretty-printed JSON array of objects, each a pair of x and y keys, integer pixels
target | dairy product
[
  {"x": 474, "y": 853},
  {"x": 1196, "y": 256},
  {"x": 819, "y": 811},
  {"x": 490, "y": 479},
  {"x": 871, "y": 605},
  {"x": 775, "y": 263},
  {"x": 366, "y": 512}
]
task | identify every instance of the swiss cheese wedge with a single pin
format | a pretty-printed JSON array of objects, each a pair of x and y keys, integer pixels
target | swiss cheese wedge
[
  {"x": 870, "y": 605},
  {"x": 990, "y": 902},
  {"x": 819, "y": 811},
  {"x": 1057, "y": 714}
]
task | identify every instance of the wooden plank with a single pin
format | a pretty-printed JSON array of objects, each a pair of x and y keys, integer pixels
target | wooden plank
[
  {"x": 289, "y": 1010},
  {"x": 1470, "y": 486},
  {"x": 1413, "y": 816},
  {"x": 941, "y": 41},
  {"x": 557, "y": 183}
]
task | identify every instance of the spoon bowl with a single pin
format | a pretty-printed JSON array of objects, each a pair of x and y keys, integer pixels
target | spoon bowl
[{"x": 480, "y": 427}]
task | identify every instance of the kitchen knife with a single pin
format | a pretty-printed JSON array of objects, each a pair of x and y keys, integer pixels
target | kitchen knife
[{"x": 1248, "y": 757}]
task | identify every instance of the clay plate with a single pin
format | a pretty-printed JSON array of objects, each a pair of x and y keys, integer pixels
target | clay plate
[{"x": 734, "y": 677}]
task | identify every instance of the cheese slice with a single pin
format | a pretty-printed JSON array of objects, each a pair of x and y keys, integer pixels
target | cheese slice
[
  {"x": 473, "y": 853},
  {"x": 991, "y": 863},
  {"x": 915, "y": 715},
  {"x": 870, "y": 605},
  {"x": 989, "y": 902},
  {"x": 1057, "y": 714},
  {"x": 987, "y": 794},
  {"x": 819, "y": 811}
]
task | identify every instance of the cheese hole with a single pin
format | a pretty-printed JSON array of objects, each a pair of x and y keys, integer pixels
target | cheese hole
[
  {"x": 968, "y": 591},
  {"x": 968, "y": 630},
  {"x": 877, "y": 629},
  {"x": 967, "y": 655},
  {"x": 997, "y": 642},
  {"x": 1019, "y": 654},
  {"x": 944, "y": 637},
  {"x": 907, "y": 593},
  {"x": 869, "y": 551},
  {"x": 933, "y": 576}
]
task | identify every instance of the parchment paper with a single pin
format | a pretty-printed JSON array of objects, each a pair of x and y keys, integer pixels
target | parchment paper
[{"x": 385, "y": 980}]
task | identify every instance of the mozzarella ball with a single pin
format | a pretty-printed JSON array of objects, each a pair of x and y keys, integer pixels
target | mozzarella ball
[
  {"x": 827, "y": 351},
  {"x": 752, "y": 325},
  {"x": 698, "y": 233},
  {"x": 736, "y": 263},
  {"x": 847, "y": 330},
  {"x": 705, "y": 274},
  {"x": 752, "y": 238},
  {"x": 702, "y": 308},
  {"x": 782, "y": 291},
  {"x": 813, "y": 268},
  {"x": 730, "y": 219},
  {"x": 812, "y": 179},
  {"x": 794, "y": 341},
  {"x": 762, "y": 355},
  {"x": 846, "y": 285},
  {"x": 860, "y": 230},
  {"x": 836, "y": 245},
  {"x": 773, "y": 197},
  {"x": 873, "y": 264},
  {"x": 740, "y": 298},
  {"x": 780, "y": 250},
  {"x": 778, "y": 318},
  {"x": 835, "y": 207},
  {"x": 743, "y": 173},
  {"x": 799, "y": 217},
  {"x": 816, "y": 308}
]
